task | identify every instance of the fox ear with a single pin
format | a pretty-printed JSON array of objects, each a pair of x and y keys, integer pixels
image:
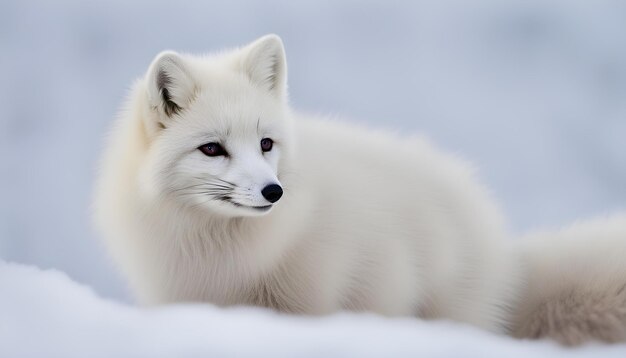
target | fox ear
[
  {"x": 170, "y": 86},
  {"x": 265, "y": 64}
]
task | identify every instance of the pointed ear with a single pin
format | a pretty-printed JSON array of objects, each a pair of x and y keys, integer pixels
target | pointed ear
[
  {"x": 170, "y": 86},
  {"x": 264, "y": 62}
]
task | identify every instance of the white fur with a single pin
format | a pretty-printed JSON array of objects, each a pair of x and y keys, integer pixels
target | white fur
[
  {"x": 368, "y": 221},
  {"x": 576, "y": 286}
]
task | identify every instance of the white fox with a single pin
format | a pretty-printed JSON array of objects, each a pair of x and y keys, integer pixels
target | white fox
[{"x": 213, "y": 190}]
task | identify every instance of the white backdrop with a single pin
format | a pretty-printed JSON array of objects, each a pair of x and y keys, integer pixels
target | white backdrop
[{"x": 533, "y": 92}]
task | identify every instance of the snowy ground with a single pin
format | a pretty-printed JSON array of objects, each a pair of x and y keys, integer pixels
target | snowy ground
[
  {"x": 532, "y": 91},
  {"x": 45, "y": 314}
]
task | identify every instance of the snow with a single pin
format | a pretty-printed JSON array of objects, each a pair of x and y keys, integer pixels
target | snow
[
  {"x": 531, "y": 91},
  {"x": 46, "y": 314}
]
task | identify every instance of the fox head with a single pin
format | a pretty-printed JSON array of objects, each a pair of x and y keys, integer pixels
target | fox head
[{"x": 218, "y": 128}]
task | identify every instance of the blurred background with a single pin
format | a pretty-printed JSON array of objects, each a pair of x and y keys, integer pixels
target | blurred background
[{"x": 532, "y": 92}]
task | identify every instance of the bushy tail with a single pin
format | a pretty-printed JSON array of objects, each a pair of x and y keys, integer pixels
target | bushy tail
[{"x": 576, "y": 283}]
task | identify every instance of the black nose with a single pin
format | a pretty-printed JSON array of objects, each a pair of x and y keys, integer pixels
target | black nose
[{"x": 272, "y": 192}]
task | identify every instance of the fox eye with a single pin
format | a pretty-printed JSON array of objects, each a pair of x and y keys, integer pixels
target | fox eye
[
  {"x": 212, "y": 149},
  {"x": 266, "y": 144}
]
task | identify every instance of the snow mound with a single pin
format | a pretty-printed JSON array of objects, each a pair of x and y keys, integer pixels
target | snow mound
[{"x": 46, "y": 314}]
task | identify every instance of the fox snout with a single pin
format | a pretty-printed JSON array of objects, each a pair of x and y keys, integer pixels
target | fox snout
[{"x": 272, "y": 192}]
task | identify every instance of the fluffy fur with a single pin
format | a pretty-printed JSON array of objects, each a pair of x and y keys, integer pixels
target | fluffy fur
[
  {"x": 369, "y": 221},
  {"x": 576, "y": 283}
]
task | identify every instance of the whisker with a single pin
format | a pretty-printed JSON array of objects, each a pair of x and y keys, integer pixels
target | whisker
[
  {"x": 225, "y": 181},
  {"x": 187, "y": 187}
]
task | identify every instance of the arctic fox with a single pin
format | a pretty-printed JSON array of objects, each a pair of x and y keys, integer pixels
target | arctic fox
[{"x": 212, "y": 189}]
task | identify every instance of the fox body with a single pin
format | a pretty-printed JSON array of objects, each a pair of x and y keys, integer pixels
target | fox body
[{"x": 212, "y": 189}]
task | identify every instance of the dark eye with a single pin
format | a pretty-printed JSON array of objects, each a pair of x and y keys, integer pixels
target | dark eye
[
  {"x": 212, "y": 149},
  {"x": 266, "y": 144}
]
